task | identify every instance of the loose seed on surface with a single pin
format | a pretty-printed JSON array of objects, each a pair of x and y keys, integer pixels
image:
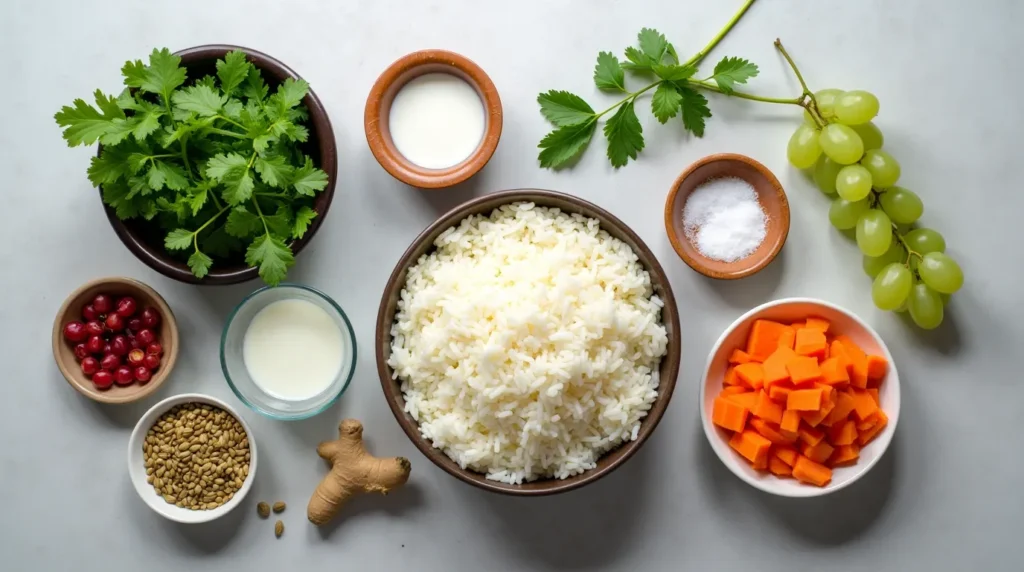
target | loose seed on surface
[
  {"x": 278, "y": 529},
  {"x": 263, "y": 509},
  {"x": 279, "y": 506}
]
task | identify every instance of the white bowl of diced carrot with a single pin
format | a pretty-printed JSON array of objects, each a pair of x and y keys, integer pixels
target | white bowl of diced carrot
[{"x": 799, "y": 397}]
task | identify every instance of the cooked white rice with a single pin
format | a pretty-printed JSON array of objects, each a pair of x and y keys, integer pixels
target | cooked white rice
[{"x": 527, "y": 343}]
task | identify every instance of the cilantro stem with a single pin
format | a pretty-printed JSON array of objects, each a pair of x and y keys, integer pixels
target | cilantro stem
[
  {"x": 272, "y": 195},
  {"x": 219, "y": 131},
  {"x": 266, "y": 229},
  {"x": 231, "y": 121},
  {"x": 718, "y": 38},
  {"x": 251, "y": 160},
  {"x": 213, "y": 218},
  {"x": 633, "y": 95},
  {"x": 712, "y": 87},
  {"x": 184, "y": 158}
]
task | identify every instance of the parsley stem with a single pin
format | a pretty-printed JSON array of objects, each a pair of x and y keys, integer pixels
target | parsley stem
[
  {"x": 633, "y": 95},
  {"x": 207, "y": 223},
  {"x": 712, "y": 87},
  {"x": 184, "y": 158},
  {"x": 231, "y": 121},
  {"x": 718, "y": 38},
  {"x": 219, "y": 131},
  {"x": 266, "y": 229}
]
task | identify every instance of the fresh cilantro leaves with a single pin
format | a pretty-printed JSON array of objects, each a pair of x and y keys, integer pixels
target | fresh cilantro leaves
[
  {"x": 214, "y": 161},
  {"x": 675, "y": 93}
]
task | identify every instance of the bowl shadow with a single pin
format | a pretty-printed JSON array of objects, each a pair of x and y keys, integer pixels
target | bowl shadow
[
  {"x": 583, "y": 529},
  {"x": 831, "y": 520},
  {"x": 751, "y": 291}
]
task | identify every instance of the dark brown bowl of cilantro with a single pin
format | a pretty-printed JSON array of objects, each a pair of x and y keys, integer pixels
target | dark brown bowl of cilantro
[{"x": 216, "y": 164}]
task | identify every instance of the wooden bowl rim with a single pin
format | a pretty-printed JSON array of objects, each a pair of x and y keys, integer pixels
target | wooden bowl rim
[
  {"x": 380, "y": 141},
  {"x": 668, "y": 368},
  {"x": 746, "y": 266},
  {"x": 78, "y": 381},
  {"x": 320, "y": 128}
]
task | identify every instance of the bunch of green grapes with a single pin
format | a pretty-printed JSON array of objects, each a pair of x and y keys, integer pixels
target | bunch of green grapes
[{"x": 843, "y": 148}]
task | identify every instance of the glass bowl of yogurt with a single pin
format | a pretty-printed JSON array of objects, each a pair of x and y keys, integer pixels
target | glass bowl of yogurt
[{"x": 288, "y": 352}]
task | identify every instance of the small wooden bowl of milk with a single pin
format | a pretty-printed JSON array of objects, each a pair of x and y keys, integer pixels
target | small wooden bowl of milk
[
  {"x": 288, "y": 351},
  {"x": 433, "y": 119}
]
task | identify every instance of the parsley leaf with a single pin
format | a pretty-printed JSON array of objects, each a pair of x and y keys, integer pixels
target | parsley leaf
[
  {"x": 200, "y": 99},
  {"x": 163, "y": 74},
  {"x": 273, "y": 170},
  {"x": 84, "y": 124},
  {"x": 653, "y": 44},
  {"x": 624, "y": 134},
  {"x": 272, "y": 256},
  {"x": 695, "y": 110},
  {"x": 254, "y": 88},
  {"x": 307, "y": 179},
  {"x": 134, "y": 73},
  {"x": 288, "y": 95},
  {"x": 303, "y": 218},
  {"x": 200, "y": 264},
  {"x": 174, "y": 176},
  {"x": 224, "y": 165},
  {"x": 242, "y": 223},
  {"x": 638, "y": 61},
  {"x": 731, "y": 71},
  {"x": 232, "y": 70},
  {"x": 674, "y": 72},
  {"x": 109, "y": 166},
  {"x": 564, "y": 108},
  {"x": 179, "y": 239},
  {"x": 564, "y": 143},
  {"x": 666, "y": 102},
  {"x": 280, "y": 223},
  {"x": 608, "y": 73},
  {"x": 116, "y": 196}
]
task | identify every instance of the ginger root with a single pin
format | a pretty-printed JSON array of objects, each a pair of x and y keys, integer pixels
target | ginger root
[{"x": 353, "y": 471}]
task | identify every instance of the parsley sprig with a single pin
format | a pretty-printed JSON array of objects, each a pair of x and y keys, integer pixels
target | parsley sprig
[
  {"x": 677, "y": 92},
  {"x": 216, "y": 163}
]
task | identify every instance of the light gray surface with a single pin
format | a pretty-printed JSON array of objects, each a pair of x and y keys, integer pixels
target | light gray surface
[{"x": 944, "y": 498}]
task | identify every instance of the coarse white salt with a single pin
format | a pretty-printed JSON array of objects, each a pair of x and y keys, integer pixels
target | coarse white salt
[{"x": 724, "y": 220}]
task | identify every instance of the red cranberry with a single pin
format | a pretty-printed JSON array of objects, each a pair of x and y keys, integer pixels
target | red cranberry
[
  {"x": 81, "y": 352},
  {"x": 135, "y": 324},
  {"x": 136, "y": 357},
  {"x": 106, "y": 349},
  {"x": 102, "y": 304},
  {"x": 151, "y": 361},
  {"x": 95, "y": 345},
  {"x": 154, "y": 349},
  {"x": 103, "y": 379},
  {"x": 94, "y": 328},
  {"x": 124, "y": 375},
  {"x": 110, "y": 362},
  {"x": 142, "y": 374},
  {"x": 114, "y": 322},
  {"x": 90, "y": 365},
  {"x": 75, "y": 331},
  {"x": 119, "y": 345},
  {"x": 145, "y": 337},
  {"x": 133, "y": 343},
  {"x": 150, "y": 317},
  {"x": 89, "y": 313},
  {"x": 126, "y": 307}
]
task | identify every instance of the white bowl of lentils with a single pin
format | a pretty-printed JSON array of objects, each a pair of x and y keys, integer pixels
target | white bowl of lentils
[{"x": 192, "y": 458}]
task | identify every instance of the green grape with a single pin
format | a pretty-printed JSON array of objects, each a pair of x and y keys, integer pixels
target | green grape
[
  {"x": 826, "y": 100},
  {"x": 856, "y": 107},
  {"x": 841, "y": 144},
  {"x": 891, "y": 286},
  {"x": 874, "y": 232},
  {"x": 803, "y": 148},
  {"x": 825, "y": 172},
  {"x": 853, "y": 182},
  {"x": 874, "y": 264},
  {"x": 925, "y": 306},
  {"x": 870, "y": 134},
  {"x": 903, "y": 307},
  {"x": 885, "y": 170},
  {"x": 902, "y": 206},
  {"x": 924, "y": 240},
  {"x": 844, "y": 214},
  {"x": 941, "y": 273}
]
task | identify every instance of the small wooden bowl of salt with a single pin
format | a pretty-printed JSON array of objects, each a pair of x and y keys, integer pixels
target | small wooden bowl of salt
[{"x": 727, "y": 216}]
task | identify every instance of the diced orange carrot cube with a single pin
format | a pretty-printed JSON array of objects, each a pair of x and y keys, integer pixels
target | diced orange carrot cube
[
  {"x": 873, "y": 392},
  {"x": 863, "y": 404},
  {"x": 734, "y": 389},
  {"x": 877, "y": 365},
  {"x": 844, "y": 405},
  {"x": 803, "y": 370},
  {"x": 818, "y": 453},
  {"x": 779, "y": 393},
  {"x": 805, "y": 399},
  {"x": 788, "y": 338},
  {"x": 807, "y": 471},
  {"x": 844, "y": 455},
  {"x": 751, "y": 446},
  {"x": 813, "y": 418},
  {"x": 731, "y": 378},
  {"x": 769, "y": 431},
  {"x": 810, "y": 342},
  {"x": 747, "y": 399},
  {"x": 810, "y": 435},
  {"x": 834, "y": 373},
  {"x": 779, "y": 468},
  {"x": 738, "y": 356},
  {"x": 859, "y": 373},
  {"x": 790, "y": 423},
  {"x": 763, "y": 339},
  {"x": 865, "y": 437},
  {"x": 786, "y": 453},
  {"x": 729, "y": 414},
  {"x": 844, "y": 433},
  {"x": 775, "y": 366},
  {"x": 752, "y": 374},
  {"x": 767, "y": 409},
  {"x": 818, "y": 324}
]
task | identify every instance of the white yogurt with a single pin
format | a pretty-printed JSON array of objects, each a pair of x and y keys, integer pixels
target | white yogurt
[
  {"x": 292, "y": 349},
  {"x": 437, "y": 120}
]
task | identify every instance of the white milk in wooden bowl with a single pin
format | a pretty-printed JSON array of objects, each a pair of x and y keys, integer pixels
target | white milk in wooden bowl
[
  {"x": 288, "y": 352},
  {"x": 437, "y": 120}
]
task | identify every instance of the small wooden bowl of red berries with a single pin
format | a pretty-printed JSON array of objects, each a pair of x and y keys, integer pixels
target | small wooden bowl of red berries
[{"x": 115, "y": 340}]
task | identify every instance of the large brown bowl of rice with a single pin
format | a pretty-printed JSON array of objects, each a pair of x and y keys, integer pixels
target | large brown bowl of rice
[{"x": 528, "y": 342}]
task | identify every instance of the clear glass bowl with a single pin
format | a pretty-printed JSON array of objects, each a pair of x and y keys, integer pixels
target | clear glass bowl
[{"x": 237, "y": 376}]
